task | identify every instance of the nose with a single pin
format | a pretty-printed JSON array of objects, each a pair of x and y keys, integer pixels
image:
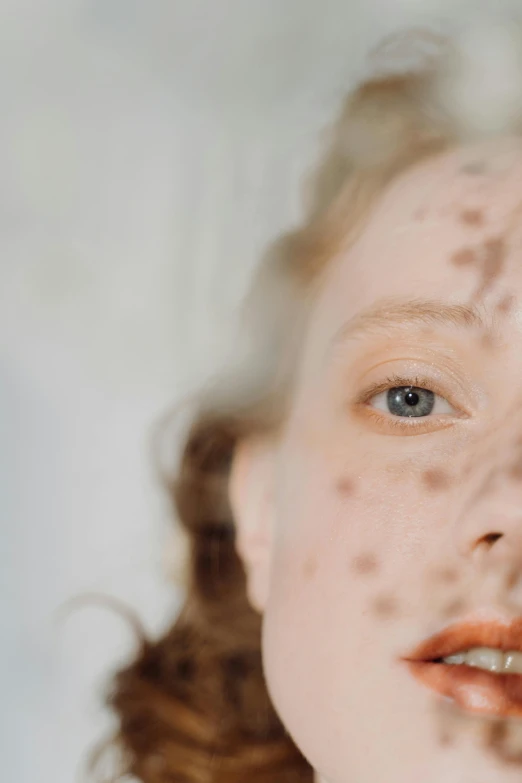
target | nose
[{"x": 490, "y": 524}]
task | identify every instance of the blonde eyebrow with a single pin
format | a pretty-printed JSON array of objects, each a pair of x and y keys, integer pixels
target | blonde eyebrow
[{"x": 401, "y": 313}]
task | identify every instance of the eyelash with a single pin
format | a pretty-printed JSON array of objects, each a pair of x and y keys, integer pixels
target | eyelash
[{"x": 402, "y": 424}]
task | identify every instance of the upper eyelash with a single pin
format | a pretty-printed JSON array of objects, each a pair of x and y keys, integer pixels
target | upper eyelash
[{"x": 393, "y": 381}]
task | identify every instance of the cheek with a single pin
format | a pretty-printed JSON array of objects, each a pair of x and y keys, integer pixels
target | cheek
[
  {"x": 349, "y": 529},
  {"x": 344, "y": 516},
  {"x": 351, "y": 539}
]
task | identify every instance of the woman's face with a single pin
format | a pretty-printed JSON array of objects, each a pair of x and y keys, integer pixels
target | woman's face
[{"x": 393, "y": 513}]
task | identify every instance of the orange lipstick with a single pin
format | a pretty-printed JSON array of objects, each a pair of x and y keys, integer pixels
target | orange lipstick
[{"x": 473, "y": 689}]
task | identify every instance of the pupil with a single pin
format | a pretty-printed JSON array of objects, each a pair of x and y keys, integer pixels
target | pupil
[{"x": 412, "y": 398}]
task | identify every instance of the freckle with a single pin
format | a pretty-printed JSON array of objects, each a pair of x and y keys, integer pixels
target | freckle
[
  {"x": 495, "y": 250},
  {"x": 472, "y": 217},
  {"x": 384, "y": 606},
  {"x": 445, "y": 739},
  {"x": 365, "y": 564},
  {"x": 515, "y": 470},
  {"x": 464, "y": 257},
  {"x": 447, "y": 575},
  {"x": 454, "y": 608},
  {"x": 419, "y": 214},
  {"x": 493, "y": 262},
  {"x": 506, "y": 304},
  {"x": 310, "y": 568},
  {"x": 345, "y": 486},
  {"x": 487, "y": 341},
  {"x": 498, "y": 743},
  {"x": 436, "y": 479},
  {"x": 505, "y": 740},
  {"x": 497, "y": 732}
]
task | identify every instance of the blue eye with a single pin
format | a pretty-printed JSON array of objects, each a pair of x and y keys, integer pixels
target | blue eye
[{"x": 411, "y": 401}]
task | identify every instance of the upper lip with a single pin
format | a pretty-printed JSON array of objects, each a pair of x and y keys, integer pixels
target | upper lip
[{"x": 460, "y": 637}]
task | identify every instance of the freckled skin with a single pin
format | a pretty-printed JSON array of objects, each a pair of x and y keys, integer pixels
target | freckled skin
[
  {"x": 494, "y": 256},
  {"x": 332, "y": 645},
  {"x": 385, "y": 606},
  {"x": 472, "y": 217},
  {"x": 447, "y": 575},
  {"x": 346, "y": 486},
  {"x": 436, "y": 479},
  {"x": 488, "y": 259},
  {"x": 365, "y": 564},
  {"x": 454, "y": 608},
  {"x": 464, "y": 257},
  {"x": 445, "y": 739},
  {"x": 505, "y": 743}
]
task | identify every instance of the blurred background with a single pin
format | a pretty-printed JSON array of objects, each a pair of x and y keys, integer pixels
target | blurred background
[{"x": 149, "y": 149}]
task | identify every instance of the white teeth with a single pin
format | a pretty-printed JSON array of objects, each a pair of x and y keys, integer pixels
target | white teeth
[
  {"x": 489, "y": 659},
  {"x": 458, "y": 658},
  {"x": 513, "y": 662},
  {"x": 486, "y": 658}
]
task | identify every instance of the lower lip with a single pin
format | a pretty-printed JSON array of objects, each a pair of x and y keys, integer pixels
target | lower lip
[{"x": 473, "y": 690}]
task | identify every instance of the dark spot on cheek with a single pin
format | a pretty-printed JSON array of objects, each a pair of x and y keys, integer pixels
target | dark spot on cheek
[
  {"x": 472, "y": 217},
  {"x": 454, "y": 608},
  {"x": 515, "y": 470},
  {"x": 497, "y": 734},
  {"x": 505, "y": 741},
  {"x": 419, "y": 214},
  {"x": 384, "y": 606},
  {"x": 445, "y": 739},
  {"x": 365, "y": 564},
  {"x": 345, "y": 486},
  {"x": 310, "y": 568},
  {"x": 464, "y": 257},
  {"x": 447, "y": 575},
  {"x": 436, "y": 479}
]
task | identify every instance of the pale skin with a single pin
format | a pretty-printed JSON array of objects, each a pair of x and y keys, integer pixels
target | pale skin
[{"x": 364, "y": 531}]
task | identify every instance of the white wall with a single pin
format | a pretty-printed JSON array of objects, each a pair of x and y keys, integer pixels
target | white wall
[{"x": 148, "y": 150}]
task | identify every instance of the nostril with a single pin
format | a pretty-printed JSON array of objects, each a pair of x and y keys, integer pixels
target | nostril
[{"x": 491, "y": 538}]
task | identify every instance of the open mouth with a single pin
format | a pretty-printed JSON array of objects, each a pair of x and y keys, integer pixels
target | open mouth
[{"x": 478, "y": 666}]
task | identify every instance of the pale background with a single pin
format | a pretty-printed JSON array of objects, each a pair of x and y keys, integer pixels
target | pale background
[{"x": 148, "y": 150}]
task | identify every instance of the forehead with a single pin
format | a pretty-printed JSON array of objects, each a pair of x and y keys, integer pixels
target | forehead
[{"x": 431, "y": 221}]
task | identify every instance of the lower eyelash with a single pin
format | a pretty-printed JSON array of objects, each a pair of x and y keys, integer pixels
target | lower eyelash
[{"x": 404, "y": 424}]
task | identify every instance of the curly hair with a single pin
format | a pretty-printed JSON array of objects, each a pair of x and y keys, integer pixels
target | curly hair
[{"x": 193, "y": 706}]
